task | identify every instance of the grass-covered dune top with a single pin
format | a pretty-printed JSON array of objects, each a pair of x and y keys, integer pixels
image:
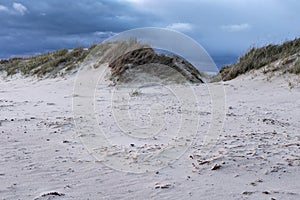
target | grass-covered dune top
[
  {"x": 52, "y": 63},
  {"x": 62, "y": 61},
  {"x": 287, "y": 56},
  {"x": 283, "y": 58},
  {"x": 123, "y": 57},
  {"x": 146, "y": 65}
]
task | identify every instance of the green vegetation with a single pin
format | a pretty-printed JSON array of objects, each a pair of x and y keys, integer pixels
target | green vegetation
[
  {"x": 111, "y": 51},
  {"x": 48, "y": 63},
  {"x": 295, "y": 68},
  {"x": 64, "y": 60},
  {"x": 284, "y": 57},
  {"x": 257, "y": 58}
]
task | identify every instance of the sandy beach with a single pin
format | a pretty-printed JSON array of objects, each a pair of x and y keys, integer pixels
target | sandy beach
[
  {"x": 255, "y": 156},
  {"x": 149, "y": 100}
]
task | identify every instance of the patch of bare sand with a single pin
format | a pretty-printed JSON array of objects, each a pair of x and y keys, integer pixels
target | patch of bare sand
[{"x": 256, "y": 156}]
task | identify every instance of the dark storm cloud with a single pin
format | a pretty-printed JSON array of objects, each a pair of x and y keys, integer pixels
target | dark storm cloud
[
  {"x": 232, "y": 25},
  {"x": 37, "y": 25},
  {"x": 223, "y": 27}
]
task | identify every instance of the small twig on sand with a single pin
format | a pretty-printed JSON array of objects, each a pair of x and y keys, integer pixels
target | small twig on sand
[
  {"x": 291, "y": 144},
  {"x": 202, "y": 162},
  {"x": 215, "y": 167}
]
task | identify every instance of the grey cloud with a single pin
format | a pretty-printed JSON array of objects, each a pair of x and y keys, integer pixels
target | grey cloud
[
  {"x": 69, "y": 23},
  {"x": 3, "y": 8},
  {"x": 220, "y": 26},
  {"x": 20, "y": 8}
]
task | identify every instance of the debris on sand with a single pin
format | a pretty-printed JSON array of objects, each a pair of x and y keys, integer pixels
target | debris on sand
[
  {"x": 247, "y": 193},
  {"x": 215, "y": 166},
  {"x": 49, "y": 195},
  {"x": 162, "y": 186}
]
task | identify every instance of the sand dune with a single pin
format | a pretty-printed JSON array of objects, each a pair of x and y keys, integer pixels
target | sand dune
[
  {"x": 133, "y": 129},
  {"x": 256, "y": 156}
]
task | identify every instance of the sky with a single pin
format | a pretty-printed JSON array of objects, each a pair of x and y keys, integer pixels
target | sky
[{"x": 225, "y": 28}]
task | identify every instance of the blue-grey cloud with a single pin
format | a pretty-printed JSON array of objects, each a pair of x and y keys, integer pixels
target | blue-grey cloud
[
  {"x": 48, "y": 25},
  {"x": 3, "y": 8},
  {"x": 182, "y": 27},
  {"x": 225, "y": 27},
  {"x": 19, "y": 8}
]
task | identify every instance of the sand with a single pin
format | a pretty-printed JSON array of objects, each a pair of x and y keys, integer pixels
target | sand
[{"x": 49, "y": 149}]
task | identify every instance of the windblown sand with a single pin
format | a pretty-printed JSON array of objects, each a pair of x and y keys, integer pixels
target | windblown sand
[{"x": 256, "y": 156}]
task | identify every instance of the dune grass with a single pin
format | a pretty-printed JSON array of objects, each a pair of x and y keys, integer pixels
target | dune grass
[
  {"x": 295, "y": 68},
  {"x": 40, "y": 65},
  {"x": 110, "y": 51},
  {"x": 64, "y": 60},
  {"x": 257, "y": 58}
]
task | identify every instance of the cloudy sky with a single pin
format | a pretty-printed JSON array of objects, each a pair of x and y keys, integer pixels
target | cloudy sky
[{"x": 222, "y": 27}]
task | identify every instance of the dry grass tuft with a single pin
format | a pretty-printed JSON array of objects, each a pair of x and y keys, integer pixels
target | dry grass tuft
[
  {"x": 257, "y": 58},
  {"x": 51, "y": 63}
]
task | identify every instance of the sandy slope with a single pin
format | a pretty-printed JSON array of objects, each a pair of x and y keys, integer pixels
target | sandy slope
[{"x": 257, "y": 155}]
